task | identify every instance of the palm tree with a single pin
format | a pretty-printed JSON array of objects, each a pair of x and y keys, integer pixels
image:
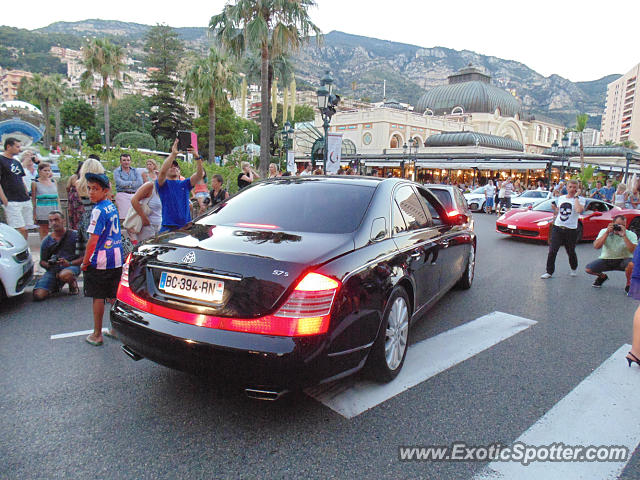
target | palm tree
[
  {"x": 48, "y": 92},
  {"x": 271, "y": 27},
  {"x": 105, "y": 60},
  {"x": 208, "y": 82},
  {"x": 581, "y": 124}
]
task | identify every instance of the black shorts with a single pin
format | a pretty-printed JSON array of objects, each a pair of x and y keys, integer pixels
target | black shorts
[
  {"x": 609, "y": 264},
  {"x": 101, "y": 283}
]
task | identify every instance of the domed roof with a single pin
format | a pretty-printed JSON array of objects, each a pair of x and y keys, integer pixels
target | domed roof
[
  {"x": 470, "y": 90},
  {"x": 469, "y": 139},
  {"x": 10, "y": 104}
]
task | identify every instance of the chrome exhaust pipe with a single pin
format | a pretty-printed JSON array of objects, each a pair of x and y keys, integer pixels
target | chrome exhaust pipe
[
  {"x": 268, "y": 395},
  {"x": 131, "y": 353}
]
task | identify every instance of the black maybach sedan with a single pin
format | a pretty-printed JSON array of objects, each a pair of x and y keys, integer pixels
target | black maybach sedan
[{"x": 294, "y": 282}]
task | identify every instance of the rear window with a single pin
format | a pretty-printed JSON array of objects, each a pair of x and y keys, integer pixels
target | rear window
[
  {"x": 444, "y": 196},
  {"x": 307, "y": 206}
]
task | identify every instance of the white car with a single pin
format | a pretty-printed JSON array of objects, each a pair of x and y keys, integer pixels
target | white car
[
  {"x": 16, "y": 264},
  {"x": 530, "y": 198},
  {"x": 475, "y": 199}
]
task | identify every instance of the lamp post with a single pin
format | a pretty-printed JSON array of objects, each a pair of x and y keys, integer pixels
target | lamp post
[
  {"x": 554, "y": 150},
  {"x": 628, "y": 156},
  {"x": 327, "y": 102},
  {"x": 287, "y": 136},
  {"x": 574, "y": 149},
  {"x": 413, "y": 142}
]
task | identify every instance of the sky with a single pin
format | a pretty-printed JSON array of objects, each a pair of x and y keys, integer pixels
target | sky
[{"x": 579, "y": 40}]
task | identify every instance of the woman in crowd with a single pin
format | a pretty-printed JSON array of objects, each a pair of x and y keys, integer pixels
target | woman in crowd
[
  {"x": 247, "y": 176},
  {"x": 151, "y": 175},
  {"x": 147, "y": 195},
  {"x": 273, "y": 171},
  {"x": 30, "y": 165},
  {"x": 44, "y": 195},
  {"x": 218, "y": 194},
  {"x": 633, "y": 199},
  {"x": 201, "y": 194},
  {"x": 73, "y": 200},
  {"x": 620, "y": 197}
]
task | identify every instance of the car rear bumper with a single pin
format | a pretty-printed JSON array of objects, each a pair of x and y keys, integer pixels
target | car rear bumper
[{"x": 251, "y": 360}]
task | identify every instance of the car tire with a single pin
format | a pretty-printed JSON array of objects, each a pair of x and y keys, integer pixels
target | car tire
[
  {"x": 390, "y": 348},
  {"x": 634, "y": 226},
  {"x": 466, "y": 280}
]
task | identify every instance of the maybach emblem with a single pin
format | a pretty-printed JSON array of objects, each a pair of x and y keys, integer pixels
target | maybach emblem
[{"x": 189, "y": 257}]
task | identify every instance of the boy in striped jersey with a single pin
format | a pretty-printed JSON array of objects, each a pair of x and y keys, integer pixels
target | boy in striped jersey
[{"x": 102, "y": 262}]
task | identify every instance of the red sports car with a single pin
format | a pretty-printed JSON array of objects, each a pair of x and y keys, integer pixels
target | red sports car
[{"x": 535, "y": 223}]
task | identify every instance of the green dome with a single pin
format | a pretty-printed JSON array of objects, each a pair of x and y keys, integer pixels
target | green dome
[
  {"x": 471, "y": 91},
  {"x": 470, "y": 139}
]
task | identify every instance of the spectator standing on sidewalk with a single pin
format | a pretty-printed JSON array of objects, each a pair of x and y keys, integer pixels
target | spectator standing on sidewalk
[
  {"x": 217, "y": 193},
  {"x": 128, "y": 180},
  {"x": 44, "y": 195},
  {"x": 147, "y": 195},
  {"x": 489, "y": 192},
  {"x": 91, "y": 165},
  {"x": 608, "y": 191},
  {"x": 60, "y": 258},
  {"x": 13, "y": 193},
  {"x": 73, "y": 199},
  {"x": 174, "y": 193},
  {"x": 567, "y": 209},
  {"x": 103, "y": 260},
  {"x": 617, "y": 245}
]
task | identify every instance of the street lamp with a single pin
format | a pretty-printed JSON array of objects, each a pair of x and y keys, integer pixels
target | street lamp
[
  {"x": 413, "y": 143},
  {"x": 287, "y": 136},
  {"x": 629, "y": 156},
  {"x": 327, "y": 102},
  {"x": 554, "y": 150}
]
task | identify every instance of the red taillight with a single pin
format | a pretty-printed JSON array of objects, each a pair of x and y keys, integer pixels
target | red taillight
[
  {"x": 452, "y": 213},
  {"x": 124, "y": 278},
  {"x": 306, "y": 311}
]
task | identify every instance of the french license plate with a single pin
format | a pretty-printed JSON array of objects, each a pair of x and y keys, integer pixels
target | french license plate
[
  {"x": 512, "y": 227},
  {"x": 205, "y": 289}
]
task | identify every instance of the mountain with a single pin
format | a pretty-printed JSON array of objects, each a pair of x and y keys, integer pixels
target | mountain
[{"x": 360, "y": 65}]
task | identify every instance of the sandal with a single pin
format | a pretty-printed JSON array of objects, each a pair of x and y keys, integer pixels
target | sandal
[
  {"x": 109, "y": 333},
  {"x": 95, "y": 343},
  {"x": 73, "y": 288}
]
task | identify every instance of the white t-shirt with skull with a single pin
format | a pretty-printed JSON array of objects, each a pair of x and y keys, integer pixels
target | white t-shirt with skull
[{"x": 567, "y": 216}]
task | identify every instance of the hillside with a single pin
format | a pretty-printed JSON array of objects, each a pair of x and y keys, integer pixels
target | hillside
[{"x": 361, "y": 64}]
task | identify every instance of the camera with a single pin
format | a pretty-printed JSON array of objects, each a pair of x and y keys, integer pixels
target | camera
[
  {"x": 53, "y": 260},
  {"x": 617, "y": 228}
]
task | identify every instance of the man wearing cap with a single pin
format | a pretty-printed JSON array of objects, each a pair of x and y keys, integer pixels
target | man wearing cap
[
  {"x": 102, "y": 262},
  {"x": 174, "y": 193},
  {"x": 128, "y": 180}
]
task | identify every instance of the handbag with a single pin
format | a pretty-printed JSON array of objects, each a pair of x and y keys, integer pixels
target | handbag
[{"x": 133, "y": 221}]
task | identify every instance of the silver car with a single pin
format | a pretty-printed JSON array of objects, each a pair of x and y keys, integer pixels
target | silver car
[{"x": 16, "y": 264}]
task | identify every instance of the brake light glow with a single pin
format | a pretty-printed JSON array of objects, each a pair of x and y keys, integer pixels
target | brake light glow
[
  {"x": 306, "y": 311},
  {"x": 453, "y": 213},
  {"x": 256, "y": 225}
]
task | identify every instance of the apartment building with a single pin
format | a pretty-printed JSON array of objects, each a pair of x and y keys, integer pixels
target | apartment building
[{"x": 621, "y": 119}]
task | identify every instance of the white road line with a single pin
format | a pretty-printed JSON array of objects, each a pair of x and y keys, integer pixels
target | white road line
[
  {"x": 424, "y": 360},
  {"x": 73, "y": 334},
  {"x": 601, "y": 410}
]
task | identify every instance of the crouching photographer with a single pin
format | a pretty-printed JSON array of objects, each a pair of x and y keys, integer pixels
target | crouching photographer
[
  {"x": 60, "y": 258},
  {"x": 617, "y": 245}
]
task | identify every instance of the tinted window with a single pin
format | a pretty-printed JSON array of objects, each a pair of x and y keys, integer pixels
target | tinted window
[
  {"x": 596, "y": 206},
  {"x": 534, "y": 194},
  {"x": 412, "y": 211},
  {"x": 300, "y": 206},
  {"x": 433, "y": 213},
  {"x": 444, "y": 196},
  {"x": 479, "y": 190},
  {"x": 461, "y": 201},
  {"x": 398, "y": 222}
]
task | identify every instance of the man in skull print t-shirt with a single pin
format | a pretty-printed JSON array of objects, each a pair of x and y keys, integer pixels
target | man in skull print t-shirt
[{"x": 565, "y": 228}]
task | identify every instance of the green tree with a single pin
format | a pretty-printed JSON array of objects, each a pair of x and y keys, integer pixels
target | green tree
[
  {"x": 208, "y": 83},
  {"x": 164, "y": 52},
  {"x": 106, "y": 60},
  {"x": 271, "y": 27},
  {"x": 48, "y": 92},
  {"x": 581, "y": 124},
  {"x": 77, "y": 114},
  {"x": 131, "y": 113}
]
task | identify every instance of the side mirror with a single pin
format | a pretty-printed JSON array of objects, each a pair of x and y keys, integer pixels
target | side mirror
[{"x": 530, "y": 207}]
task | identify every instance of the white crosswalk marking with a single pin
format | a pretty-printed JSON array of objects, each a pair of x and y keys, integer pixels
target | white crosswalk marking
[
  {"x": 73, "y": 334},
  {"x": 601, "y": 410},
  {"x": 424, "y": 360}
]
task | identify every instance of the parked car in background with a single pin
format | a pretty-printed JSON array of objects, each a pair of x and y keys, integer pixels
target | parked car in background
[
  {"x": 16, "y": 264},
  {"x": 536, "y": 223},
  {"x": 294, "y": 281},
  {"x": 453, "y": 200},
  {"x": 529, "y": 198},
  {"x": 475, "y": 199}
]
